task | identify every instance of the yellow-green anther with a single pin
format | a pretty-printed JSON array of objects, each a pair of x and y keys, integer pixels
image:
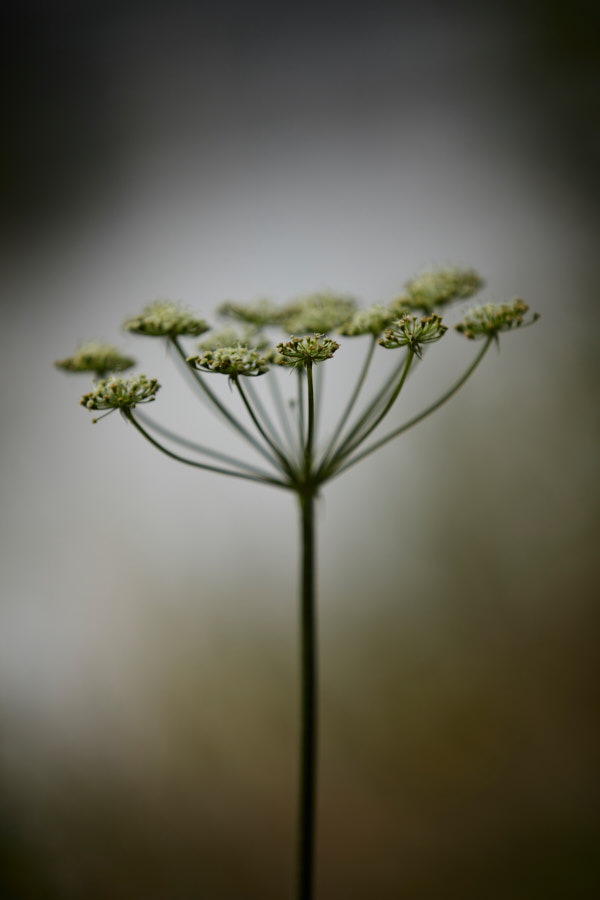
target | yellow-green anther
[{"x": 164, "y": 318}]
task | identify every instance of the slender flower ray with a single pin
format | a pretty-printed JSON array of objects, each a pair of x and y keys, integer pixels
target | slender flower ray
[
  {"x": 367, "y": 413},
  {"x": 311, "y": 418},
  {"x": 128, "y": 415},
  {"x": 351, "y": 402},
  {"x": 408, "y": 331},
  {"x": 301, "y": 424},
  {"x": 384, "y": 399},
  {"x": 342, "y": 454},
  {"x": 261, "y": 411},
  {"x": 319, "y": 376},
  {"x": 275, "y": 388},
  {"x": 423, "y": 415},
  {"x": 285, "y": 463},
  {"x": 198, "y": 448},
  {"x": 229, "y": 416}
]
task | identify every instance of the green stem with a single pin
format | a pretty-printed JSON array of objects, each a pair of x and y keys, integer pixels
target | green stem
[
  {"x": 319, "y": 376},
  {"x": 351, "y": 402},
  {"x": 273, "y": 382},
  {"x": 311, "y": 418},
  {"x": 197, "y": 448},
  {"x": 201, "y": 382},
  {"x": 301, "y": 410},
  {"x": 423, "y": 415},
  {"x": 128, "y": 415},
  {"x": 308, "y": 703},
  {"x": 260, "y": 409},
  {"x": 343, "y": 453},
  {"x": 367, "y": 414},
  {"x": 280, "y": 458}
]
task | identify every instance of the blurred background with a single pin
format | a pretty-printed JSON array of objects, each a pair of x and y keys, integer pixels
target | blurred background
[{"x": 148, "y": 673}]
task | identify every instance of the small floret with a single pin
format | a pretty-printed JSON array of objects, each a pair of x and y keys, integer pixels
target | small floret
[
  {"x": 121, "y": 393},
  {"x": 97, "y": 357},
  {"x": 372, "y": 320},
  {"x": 304, "y": 351},
  {"x": 164, "y": 318},
  {"x": 413, "y": 332},
  {"x": 260, "y": 313},
  {"x": 491, "y": 319},
  {"x": 229, "y": 337},
  {"x": 318, "y": 313},
  {"x": 233, "y": 361},
  {"x": 439, "y": 287}
]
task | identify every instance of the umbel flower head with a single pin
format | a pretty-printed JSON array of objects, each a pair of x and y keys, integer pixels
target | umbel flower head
[
  {"x": 229, "y": 337},
  {"x": 164, "y": 318},
  {"x": 439, "y": 287},
  {"x": 372, "y": 320},
  {"x": 413, "y": 332},
  {"x": 117, "y": 392},
  {"x": 233, "y": 361},
  {"x": 491, "y": 319},
  {"x": 319, "y": 313},
  {"x": 304, "y": 351},
  {"x": 260, "y": 313},
  {"x": 97, "y": 357}
]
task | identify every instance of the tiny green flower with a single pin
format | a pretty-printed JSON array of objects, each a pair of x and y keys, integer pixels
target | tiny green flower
[
  {"x": 121, "y": 393},
  {"x": 164, "y": 318},
  {"x": 372, "y": 320},
  {"x": 233, "y": 361},
  {"x": 491, "y": 319},
  {"x": 439, "y": 287},
  {"x": 319, "y": 313},
  {"x": 97, "y": 357},
  {"x": 413, "y": 332},
  {"x": 260, "y": 313},
  {"x": 302, "y": 352}
]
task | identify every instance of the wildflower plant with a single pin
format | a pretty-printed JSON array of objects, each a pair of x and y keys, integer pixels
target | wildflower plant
[{"x": 295, "y": 457}]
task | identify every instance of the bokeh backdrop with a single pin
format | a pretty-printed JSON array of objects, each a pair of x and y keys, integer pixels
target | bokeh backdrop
[{"x": 148, "y": 623}]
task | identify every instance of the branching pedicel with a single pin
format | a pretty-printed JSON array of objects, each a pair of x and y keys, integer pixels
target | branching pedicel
[{"x": 294, "y": 458}]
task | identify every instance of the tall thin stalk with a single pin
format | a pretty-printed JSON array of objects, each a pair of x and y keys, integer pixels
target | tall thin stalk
[{"x": 307, "y": 786}]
